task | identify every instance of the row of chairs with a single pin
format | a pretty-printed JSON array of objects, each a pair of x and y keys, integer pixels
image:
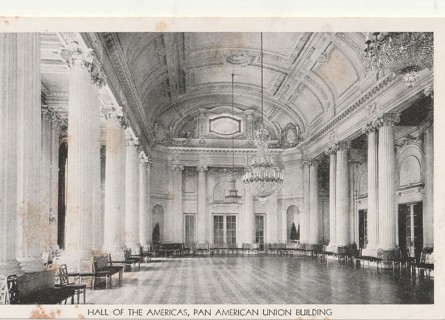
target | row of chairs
[{"x": 62, "y": 290}]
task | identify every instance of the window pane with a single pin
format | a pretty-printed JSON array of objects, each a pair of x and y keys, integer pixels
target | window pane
[
  {"x": 231, "y": 229},
  {"x": 189, "y": 229},
  {"x": 218, "y": 229}
]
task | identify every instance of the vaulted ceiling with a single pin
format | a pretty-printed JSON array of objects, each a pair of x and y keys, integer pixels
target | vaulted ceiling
[
  {"x": 305, "y": 74},
  {"x": 308, "y": 77}
]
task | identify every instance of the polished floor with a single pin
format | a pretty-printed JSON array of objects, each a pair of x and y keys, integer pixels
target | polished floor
[{"x": 262, "y": 280}]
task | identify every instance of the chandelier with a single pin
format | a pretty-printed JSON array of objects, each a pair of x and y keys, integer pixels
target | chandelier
[
  {"x": 232, "y": 195},
  {"x": 262, "y": 177},
  {"x": 405, "y": 53}
]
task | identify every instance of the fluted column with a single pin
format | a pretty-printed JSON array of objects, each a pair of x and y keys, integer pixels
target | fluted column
[
  {"x": 178, "y": 215},
  {"x": 149, "y": 207},
  {"x": 305, "y": 215},
  {"x": 342, "y": 213},
  {"x": 32, "y": 219},
  {"x": 131, "y": 193},
  {"x": 83, "y": 178},
  {"x": 373, "y": 213},
  {"x": 54, "y": 176},
  {"x": 143, "y": 214},
  {"x": 387, "y": 208},
  {"x": 332, "y": 152},
  {"x": 249, "y": 217},
  {"x": 202, "y": 204},
  {"x": 314, "y": 234},
  {"x": 428, "y": 229},
  {"x": 45, "y": 172},
  {"x": 114, "y": 221},
  {"x": 8, "y": 153}
]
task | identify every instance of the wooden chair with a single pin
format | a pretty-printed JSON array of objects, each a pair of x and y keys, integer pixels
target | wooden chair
[
  {"x": 77, "y": 289},
  {"x": 13, "y": 289},
  {"x": 4, "y": 293}
]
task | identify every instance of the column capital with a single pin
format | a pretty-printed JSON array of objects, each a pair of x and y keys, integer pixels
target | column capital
[
  {"x": 331, "y": 150},
  {"x": 177, "y": 168},
  {"x": 73, "y": 54},
  {"x": 143, "y": 158},
  {"x": 202, "y": 169},
  {"x": 315, "y": 163},
  {"x": 51, "y": 115},
  {"x": 343, "y": 145},
  {"x": 111, "y": 111},
  {"x": 131, "y": 141},
  {"x": 387, "y": 119},
  {"x": 369, "y": 128},
  {"x": 305, "y": 163}
]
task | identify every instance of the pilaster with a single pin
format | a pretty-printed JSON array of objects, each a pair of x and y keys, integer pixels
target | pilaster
[
  {"x": 131, "y": 192},
  {"x": 203, "y": 235},
  {"x": 342, "y": 210},
  {"x": 332, "y": 152},
  {"x": 314, "y": 234}
]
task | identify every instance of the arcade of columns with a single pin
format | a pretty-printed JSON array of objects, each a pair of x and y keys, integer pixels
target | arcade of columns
[{"x": 382, "y": 207}]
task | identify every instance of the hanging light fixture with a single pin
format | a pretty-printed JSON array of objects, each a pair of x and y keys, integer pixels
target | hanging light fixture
[
  {"x": 232, "y": 195},
  {"x": 262, "y": 177},
  {"x": 405, "y": 53}
]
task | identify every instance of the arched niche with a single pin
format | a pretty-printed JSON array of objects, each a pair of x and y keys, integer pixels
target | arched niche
[
  {"x": 410, "y": 172},
  {"x": 292, "y": 217},
  {"x": 158, "y": 218},
  {"x": 409, "y": 166}
]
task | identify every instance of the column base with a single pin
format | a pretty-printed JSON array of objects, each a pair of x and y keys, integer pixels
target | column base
[
  {"x": 31, "y": 264},
  {"x": 370, "y": 251},
  {"x": 387, "y": 246},
  {"x": 331, "y": 247},
  {"x": 72, "y": 259},
  {"x": 11, "y": 267}
]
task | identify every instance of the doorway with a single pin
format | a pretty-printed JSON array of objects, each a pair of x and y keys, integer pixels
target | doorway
[
  {"x": 259, "y": 231},
  {"x": 362, "y": 228},
  {"x": 411, "y": 229}
]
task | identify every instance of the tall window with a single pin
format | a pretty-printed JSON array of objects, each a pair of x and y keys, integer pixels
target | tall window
[
  {"x": 259, "y": 229},
  {"x": 190, "y": 229},
  {"x": 224, "y": 229}
]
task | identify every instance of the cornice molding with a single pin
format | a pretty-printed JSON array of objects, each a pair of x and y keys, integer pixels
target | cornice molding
[
  {"x": 349, "y": 111},
  {"x": 220, "y": 150},
  {"x": 126, "y": 81}
]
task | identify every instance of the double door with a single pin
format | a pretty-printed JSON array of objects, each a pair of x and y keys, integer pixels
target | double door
[{"x": 411, "y": 229}]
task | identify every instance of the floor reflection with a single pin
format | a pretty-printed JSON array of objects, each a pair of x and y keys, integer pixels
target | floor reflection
[{"x": 263, "y": 280}]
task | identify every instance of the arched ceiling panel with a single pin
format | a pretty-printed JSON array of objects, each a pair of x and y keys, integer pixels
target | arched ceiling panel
[
  {"x": 338, "y": 72},
  {"x": 309, "y": 105}
]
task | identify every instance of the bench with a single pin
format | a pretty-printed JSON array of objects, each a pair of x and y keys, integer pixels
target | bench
[
  {"x": 102, "y": 268},
  {"x": 171, "y": 248},
  {"x": 202, "y": 249}
]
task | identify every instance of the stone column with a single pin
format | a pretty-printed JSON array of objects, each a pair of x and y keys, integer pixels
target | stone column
[
  {"x": 8, "y": 153},
  {"x": 314, "y": 234},
  {"x": 83, "y": 178},
  {"x": 143, "y": 214},
  {"x": 114, "y": 221},
  {"x": 428, "y": 215},
  {"x": 54, "y": 176},
  {"x": 131, "y": 193},
  {"x": 178, "y": 215},
  {"x": 45, "y": 172},
  {"x": 202, "y": 204},
  {"x": 342, "y": 213},
  {"x": 305, "y": 215},
  {"x": 149, "y": 207},
  {"x": 249, "y": 217},
  {"x": 32, "y": 219},
  {"x": 387, "y": 210},
  {"x": 373, "y": 201},
  {"x": 332, "y": 152}
]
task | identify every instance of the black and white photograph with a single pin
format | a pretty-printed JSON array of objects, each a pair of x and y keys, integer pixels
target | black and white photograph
[{"x": 217, "y": 174}]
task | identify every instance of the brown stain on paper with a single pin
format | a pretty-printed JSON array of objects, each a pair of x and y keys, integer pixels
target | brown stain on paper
[
  {"x": 161, "y": 26},
  {"x": 39, "y": 312}
]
